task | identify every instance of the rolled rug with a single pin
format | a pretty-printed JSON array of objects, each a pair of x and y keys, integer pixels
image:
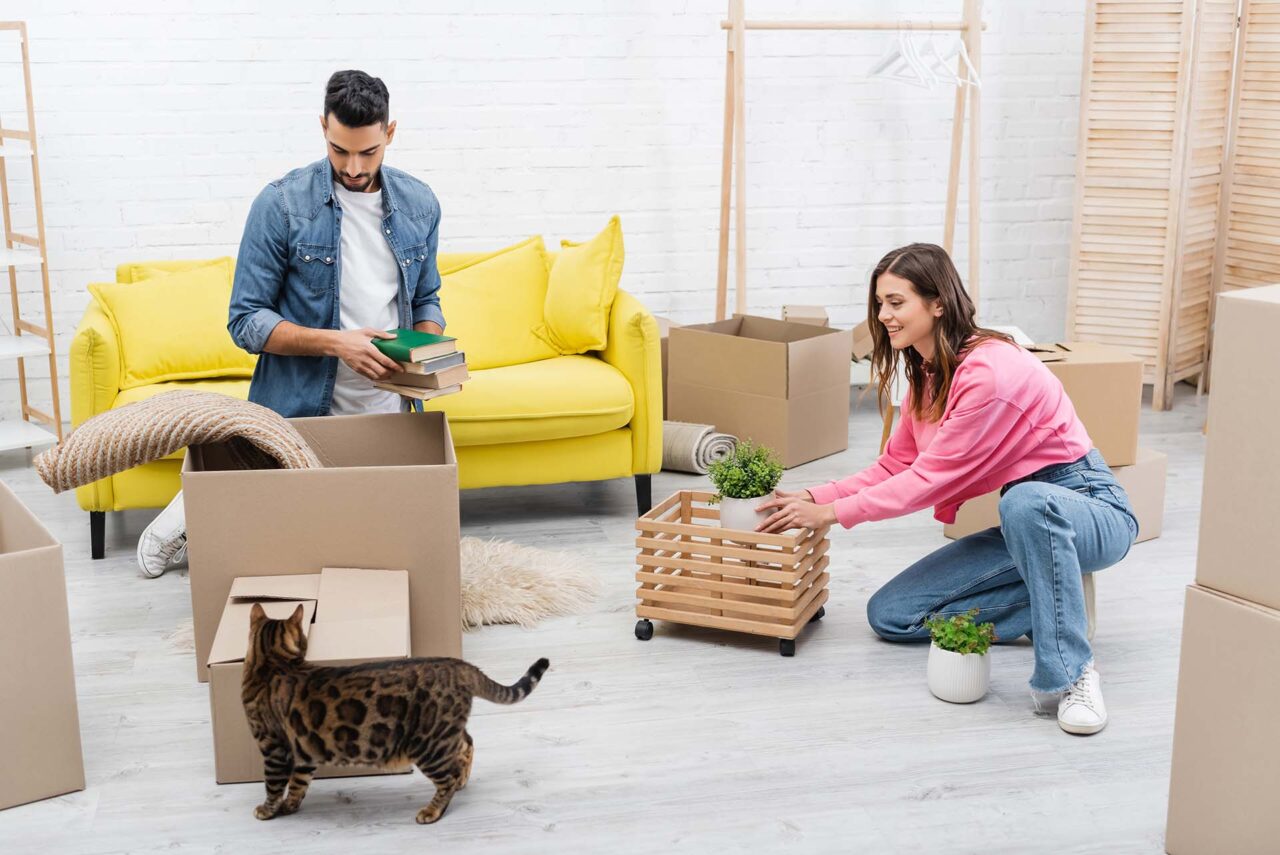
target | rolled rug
[{"x": 692, "y": 448}]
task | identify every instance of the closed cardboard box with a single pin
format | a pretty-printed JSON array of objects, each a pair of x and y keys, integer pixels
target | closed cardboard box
[
  {"x": 1239, "y": 534},
  {"x": 39, "y": 721},
  {"x": 780, "y": 384},
  {"x": 349, "y": 616},
  {"x": 1226, "y": 755},
  {"x": 1104, "y": 384},
  {"x": 1144, "y": 482},
  {"x": 387, "y": 497}
]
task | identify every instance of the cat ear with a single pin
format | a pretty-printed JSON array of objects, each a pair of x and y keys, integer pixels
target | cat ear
[
  {"x": 257, "y": 613},
  {"x": 296, "y": 617}
]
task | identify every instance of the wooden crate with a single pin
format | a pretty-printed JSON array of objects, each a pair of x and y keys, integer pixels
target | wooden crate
[{"x": 691, "y": 571}]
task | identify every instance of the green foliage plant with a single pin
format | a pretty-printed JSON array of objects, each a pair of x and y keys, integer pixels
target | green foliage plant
[
  {"x": 960, "y": 634},
  {"x": 749, "y": 472}
]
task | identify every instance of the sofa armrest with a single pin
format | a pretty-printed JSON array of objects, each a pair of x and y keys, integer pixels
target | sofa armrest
[
  {"x": 95, "y": 383},
  {"x": 634, "y": 348}
]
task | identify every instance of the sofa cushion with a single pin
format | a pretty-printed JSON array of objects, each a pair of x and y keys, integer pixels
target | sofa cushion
[
  {"x": 136, "y": 271},
  {"x": 557, "y": 398},
  {"x": 174, "y": 327},
  {"x": 580, "y": 291},
  {"x": 236, "y": 388},
  {"x": 492, "y": 304}
]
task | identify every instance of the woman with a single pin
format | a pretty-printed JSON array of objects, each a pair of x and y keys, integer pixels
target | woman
[{"x": 981, "y": 413}]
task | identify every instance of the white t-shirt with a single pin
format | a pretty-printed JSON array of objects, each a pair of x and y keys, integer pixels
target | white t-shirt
[{"x": 367, "y": 290}]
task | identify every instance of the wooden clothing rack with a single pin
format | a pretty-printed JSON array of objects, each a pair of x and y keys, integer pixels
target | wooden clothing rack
[
  {"x": 733, "y": 172},
  {"x": 29, "y": 339}
]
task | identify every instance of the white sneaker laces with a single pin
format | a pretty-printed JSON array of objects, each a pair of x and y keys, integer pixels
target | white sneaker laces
[{"x": 1081, "y": 691}]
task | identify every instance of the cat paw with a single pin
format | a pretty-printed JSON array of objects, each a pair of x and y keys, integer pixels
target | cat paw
[
  {"x": 265, "y": 811},
  {"x": 428, "y": 815}
]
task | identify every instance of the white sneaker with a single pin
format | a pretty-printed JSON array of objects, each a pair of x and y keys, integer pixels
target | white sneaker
[
  {"x": 1081, "y": 709},
  {"x": 163, "y": 545}
]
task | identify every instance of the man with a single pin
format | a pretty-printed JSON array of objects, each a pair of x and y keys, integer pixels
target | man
[{"x": 333, "y": 254}]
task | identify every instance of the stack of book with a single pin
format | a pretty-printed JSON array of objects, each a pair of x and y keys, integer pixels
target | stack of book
[{"x": 430, "y": 365}]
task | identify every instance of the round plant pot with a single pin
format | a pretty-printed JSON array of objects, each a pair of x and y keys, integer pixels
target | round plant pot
[
  {"x": 741, "y": 514},
  {"x": 959, "y": 678}
]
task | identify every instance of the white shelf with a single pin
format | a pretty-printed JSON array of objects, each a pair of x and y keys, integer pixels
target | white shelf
[
  {"x": 14, "y": 346},
  {"x": 19, "y": 258},
  {"x": 14, "y": 149},
  {"x": 15, "y": 433}
]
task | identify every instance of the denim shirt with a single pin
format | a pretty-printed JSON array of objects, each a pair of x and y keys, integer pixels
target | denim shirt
[{"x": 290, "y": 265}]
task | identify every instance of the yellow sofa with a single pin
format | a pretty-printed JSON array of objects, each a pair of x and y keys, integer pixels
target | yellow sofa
[{"x": 591, "y": 417}]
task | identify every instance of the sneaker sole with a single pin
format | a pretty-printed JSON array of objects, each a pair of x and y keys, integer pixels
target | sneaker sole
[{"x": 1082, "y": 729}]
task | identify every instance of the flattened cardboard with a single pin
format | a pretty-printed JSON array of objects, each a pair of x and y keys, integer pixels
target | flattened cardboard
[
  {"x": 1104, "y": 384},
  {"x": 816, "y": 315},
  {"x": 39, "y": 721},
  {"x": 359, "y": 615},
  {"x": 388, "y": 497},
  {"x": 1239, "y": 535},
  {"x": 1226, "y": 758},
  {"x": 785, "y": 385},
  {"x": 1144, "y": 482}
]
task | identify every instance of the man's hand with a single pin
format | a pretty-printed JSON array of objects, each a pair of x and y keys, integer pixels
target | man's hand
[
  {"x": 795, "y": 510},
  {"x": 355, "y": 348}
]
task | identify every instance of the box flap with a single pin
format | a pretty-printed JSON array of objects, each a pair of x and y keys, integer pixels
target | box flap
[
  {"x": 352, "y": 594},
  {"x": 232, "y": 638},
  {"x": 1081, "y": 352},
  {"x": 305, "y": 586},
  {"x": 362, "y": 638}
]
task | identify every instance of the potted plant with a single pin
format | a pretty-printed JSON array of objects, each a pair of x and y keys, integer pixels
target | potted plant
[
  {"x": 741, "y": 480},
  {"x": 959, "y": 668}
]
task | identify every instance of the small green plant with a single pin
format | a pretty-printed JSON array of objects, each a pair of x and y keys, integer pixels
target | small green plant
[
  {"x": 960, "y": 634},
  {"x": 749, "y": 472}
]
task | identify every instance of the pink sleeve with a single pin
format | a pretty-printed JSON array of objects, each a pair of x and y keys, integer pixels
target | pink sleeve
[
  {"x": 969, "y": 444},
  {"x": 898, "y": 455}
]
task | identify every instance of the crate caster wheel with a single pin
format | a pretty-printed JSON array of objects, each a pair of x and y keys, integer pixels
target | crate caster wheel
[
  {"x": 787, "y": 646},
  {"x": 644, "y": 629},
  {"x": 819, "y": 614}
]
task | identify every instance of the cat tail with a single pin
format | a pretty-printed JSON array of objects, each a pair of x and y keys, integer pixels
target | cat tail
[{"x": 495, "y": 692}]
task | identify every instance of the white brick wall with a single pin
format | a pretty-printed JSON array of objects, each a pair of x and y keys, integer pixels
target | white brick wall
[{"x": 159, "y": 121}]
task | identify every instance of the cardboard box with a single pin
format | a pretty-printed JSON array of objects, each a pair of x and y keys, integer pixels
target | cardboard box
[
  {"x": 1105, "y": 385},
  {"x": 780, "y": 384},
  {"x": 39, "y": 721},
  {"x": 1239, "y": 533},
  {"x": 1226, "y": 756},
  {"x": 349, "y": 616},
  {"x": 1143, "y": 481},
  {"x": 664, "y": 330},
  {"x": 387, "y": 497},
  {"x": 862, "y": 342},
  {"x": 816, "y": 315}
]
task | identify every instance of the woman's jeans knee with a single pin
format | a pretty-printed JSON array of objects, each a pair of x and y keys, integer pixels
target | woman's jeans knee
[{"x": 1024, "y": 576}]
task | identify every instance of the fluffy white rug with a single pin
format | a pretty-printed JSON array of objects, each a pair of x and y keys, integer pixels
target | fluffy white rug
[
  {"x": 507, "y": 583},
  {"x": 501, "y": 583}
]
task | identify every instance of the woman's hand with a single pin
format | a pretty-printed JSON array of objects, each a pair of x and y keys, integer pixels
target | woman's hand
[{"x": 790, "y": 511}]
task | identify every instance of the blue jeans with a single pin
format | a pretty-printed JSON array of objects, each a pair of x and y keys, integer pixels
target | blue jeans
[{"x": 1025, "y": 575}]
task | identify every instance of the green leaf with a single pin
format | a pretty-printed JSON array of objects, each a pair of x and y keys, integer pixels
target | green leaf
[{"x": 749, "y": 472}]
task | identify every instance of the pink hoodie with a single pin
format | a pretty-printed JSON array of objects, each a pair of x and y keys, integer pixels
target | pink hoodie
[{"x": 1006, "y": 417}]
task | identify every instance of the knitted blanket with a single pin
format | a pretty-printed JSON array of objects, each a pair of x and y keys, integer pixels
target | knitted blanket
[{"x": 111, "y": 442}]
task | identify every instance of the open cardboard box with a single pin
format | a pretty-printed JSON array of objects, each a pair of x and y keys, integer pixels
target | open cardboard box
[
  {"x": 387, "y": 497},
  {"x": 1226, "y": 758},
  {"x": 1143, "y": 482},
  {"x": 39, "y": 721},
  {"x": 1104, "y": 384},
  {"x": 780, "y": 384},
  {"x": 349, "y": 616}
]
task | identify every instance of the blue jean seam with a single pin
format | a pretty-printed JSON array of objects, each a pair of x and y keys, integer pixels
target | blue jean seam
[{"x": 1057, "y": 592}]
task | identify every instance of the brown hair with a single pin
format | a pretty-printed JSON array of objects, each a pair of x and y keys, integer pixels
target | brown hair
[{"x": 929, "y": 270}]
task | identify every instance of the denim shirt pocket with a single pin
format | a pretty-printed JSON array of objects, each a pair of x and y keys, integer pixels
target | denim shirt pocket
[{"x": 314, "y": 264}]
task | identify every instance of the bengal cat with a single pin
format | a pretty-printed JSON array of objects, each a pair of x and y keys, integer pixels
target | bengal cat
[{"x": 384, "y": 714}]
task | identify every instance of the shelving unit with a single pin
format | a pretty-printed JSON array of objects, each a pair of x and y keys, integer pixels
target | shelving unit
[{"x": 28, "y": 340}]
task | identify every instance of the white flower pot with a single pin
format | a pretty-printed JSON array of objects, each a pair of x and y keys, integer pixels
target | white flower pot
[
  {"x": 741, "y": 514},
  {"x": 960, "y": 678}
]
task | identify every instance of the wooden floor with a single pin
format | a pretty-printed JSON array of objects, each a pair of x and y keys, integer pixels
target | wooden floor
[{"x": 696, "y": 741}]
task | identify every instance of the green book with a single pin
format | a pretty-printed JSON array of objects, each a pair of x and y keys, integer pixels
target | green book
[{"x": 414, "y": 346}]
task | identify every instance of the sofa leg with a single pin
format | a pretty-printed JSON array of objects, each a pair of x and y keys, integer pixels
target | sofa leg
[
  {"x": 98, "y": 533},
  {"x": 644, "y": 493}
]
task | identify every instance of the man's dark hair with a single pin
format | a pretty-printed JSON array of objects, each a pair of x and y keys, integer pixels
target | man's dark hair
[{"x": 355, "y": 99}]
